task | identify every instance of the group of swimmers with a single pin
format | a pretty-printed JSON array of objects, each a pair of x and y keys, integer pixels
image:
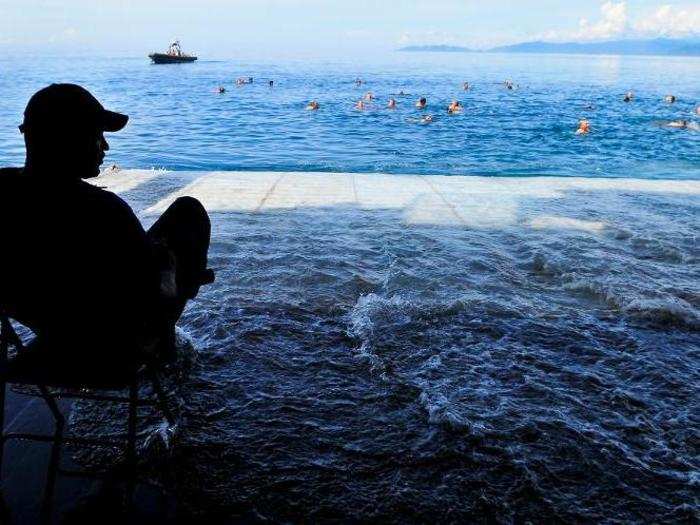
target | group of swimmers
[
  {"x": 455, "y": 107},
  {"x": 422, "y": 103},
  {"x": 242, "y": 81},
  {"x": 584, "y": 126}
]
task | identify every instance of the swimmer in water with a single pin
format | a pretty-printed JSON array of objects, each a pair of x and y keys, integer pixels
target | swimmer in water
[
  {"x": 628, "y": 96},
  {"x": 426, "y": 119},
  {"x": 677, "y": 124},
  {"x": 466, "y": 86},
  {"x": 271, "y": 83},
  {"x": 312, "y": 106},
  {"x": 454, "y": 107},
  {"x": 584, "y": 127},
  {"x": 360, "y": 105},
  {"x": 221, "y": 89},
  {"x": 697, "y": 110},
  {"x": 670, "y": 99},
  {"x": 422, "y": 103},
  {"x": 509, "y": 84},
  {"x": 391, "y": 104},
  {"x": 358, "y": 82},
  {"x": 369, "y": 96}
]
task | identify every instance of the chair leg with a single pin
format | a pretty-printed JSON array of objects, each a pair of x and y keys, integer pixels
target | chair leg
[
  {"x": 51, "y": 474},
  {"x": 131, "y": 447},
  {"x": 59, "y": 419},
  {"x": 5, "y": 329},
  {"x": 162, "y": 400},
  {"x": 131, "y": 439},
  {"x": 3, "y": 387}
]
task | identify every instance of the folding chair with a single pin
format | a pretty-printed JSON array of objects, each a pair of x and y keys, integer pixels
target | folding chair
[{"x": 53, "y": 388}]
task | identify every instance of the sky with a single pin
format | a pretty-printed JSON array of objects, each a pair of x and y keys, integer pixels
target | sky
[{"x": 326, "y": 28}]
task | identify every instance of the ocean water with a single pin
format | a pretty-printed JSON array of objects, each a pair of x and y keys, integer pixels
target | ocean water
[
  {"x": 179, "y": 123},
  {"x": 428, "y": 346},
  {"x": 532, "y": 355}
]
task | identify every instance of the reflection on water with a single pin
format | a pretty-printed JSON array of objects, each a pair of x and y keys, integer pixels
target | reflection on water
[{"x": 358, "y": 366}]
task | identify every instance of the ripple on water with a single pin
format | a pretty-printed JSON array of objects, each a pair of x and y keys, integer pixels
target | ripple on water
[{"x": 394, "y": 373}]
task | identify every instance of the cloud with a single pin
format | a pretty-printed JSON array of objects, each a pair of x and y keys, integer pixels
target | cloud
[
  {"x": 615, "y": 23},
  {"x": 670, "y": 22},
  {"x": 612, "y": 24}
]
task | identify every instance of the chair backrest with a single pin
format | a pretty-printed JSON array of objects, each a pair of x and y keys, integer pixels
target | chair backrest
[
  {"x": 8, "y": 337},
  {"x": 5, "y": 328}
]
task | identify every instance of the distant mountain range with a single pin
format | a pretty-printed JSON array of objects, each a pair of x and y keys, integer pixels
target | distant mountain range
[{"x": 659, "y": 46}]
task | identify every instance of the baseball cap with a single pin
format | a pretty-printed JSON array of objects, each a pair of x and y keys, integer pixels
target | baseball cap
[{"x": 69, "y": 105}]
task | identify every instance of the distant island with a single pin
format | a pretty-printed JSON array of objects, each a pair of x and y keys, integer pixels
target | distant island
[{"x": 659, "y": 46}]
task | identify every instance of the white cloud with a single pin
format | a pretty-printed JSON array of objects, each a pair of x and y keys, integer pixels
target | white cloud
[
  {"x": 612, "y": 24},
  {"x": 615, "y": 23},
  {"x": 670, "y": 22}
]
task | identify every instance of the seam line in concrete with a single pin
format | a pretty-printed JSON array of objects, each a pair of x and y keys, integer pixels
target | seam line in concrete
[
  {"x": 19, "y": 414},
  {"x": 269, "y": 193},
  {"x": 354, "y": 189},
  {"x": 444, "y": 199}
]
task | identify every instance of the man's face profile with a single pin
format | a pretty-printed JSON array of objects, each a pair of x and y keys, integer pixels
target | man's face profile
[
  {"x": 78, "y": 153},
  {"x": 88, "y": 153}
]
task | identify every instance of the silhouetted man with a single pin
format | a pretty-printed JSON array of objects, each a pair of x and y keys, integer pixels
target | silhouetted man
[{"x": 76, "y": 266}]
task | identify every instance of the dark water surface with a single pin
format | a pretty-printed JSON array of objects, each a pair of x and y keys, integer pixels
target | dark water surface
[{"x": 356, "y": 368}]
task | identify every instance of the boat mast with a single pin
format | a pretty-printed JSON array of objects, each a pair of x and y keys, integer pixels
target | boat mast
[{"x": 174, "y": 49}]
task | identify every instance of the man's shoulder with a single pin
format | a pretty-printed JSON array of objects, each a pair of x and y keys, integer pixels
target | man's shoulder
[
  {"x": 107, "y": 204},
  {"x": 103, "y": 196}
]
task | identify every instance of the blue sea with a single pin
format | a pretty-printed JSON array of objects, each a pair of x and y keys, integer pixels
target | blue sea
[
  {"x": 178, "y": 122},
  {"x": 483, "y": 319}
]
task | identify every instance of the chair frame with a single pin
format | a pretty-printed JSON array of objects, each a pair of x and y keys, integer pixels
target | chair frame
[{"x": 50, "y": 395}]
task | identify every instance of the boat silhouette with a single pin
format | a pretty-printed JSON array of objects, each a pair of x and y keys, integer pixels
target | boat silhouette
[{"x": 174, "y": 55}]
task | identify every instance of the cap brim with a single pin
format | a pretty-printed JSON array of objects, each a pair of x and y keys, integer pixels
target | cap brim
[{"x": 111, "y": 121}]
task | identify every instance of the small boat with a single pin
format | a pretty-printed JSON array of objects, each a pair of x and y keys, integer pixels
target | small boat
[{"x": 174, "y": 55}]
